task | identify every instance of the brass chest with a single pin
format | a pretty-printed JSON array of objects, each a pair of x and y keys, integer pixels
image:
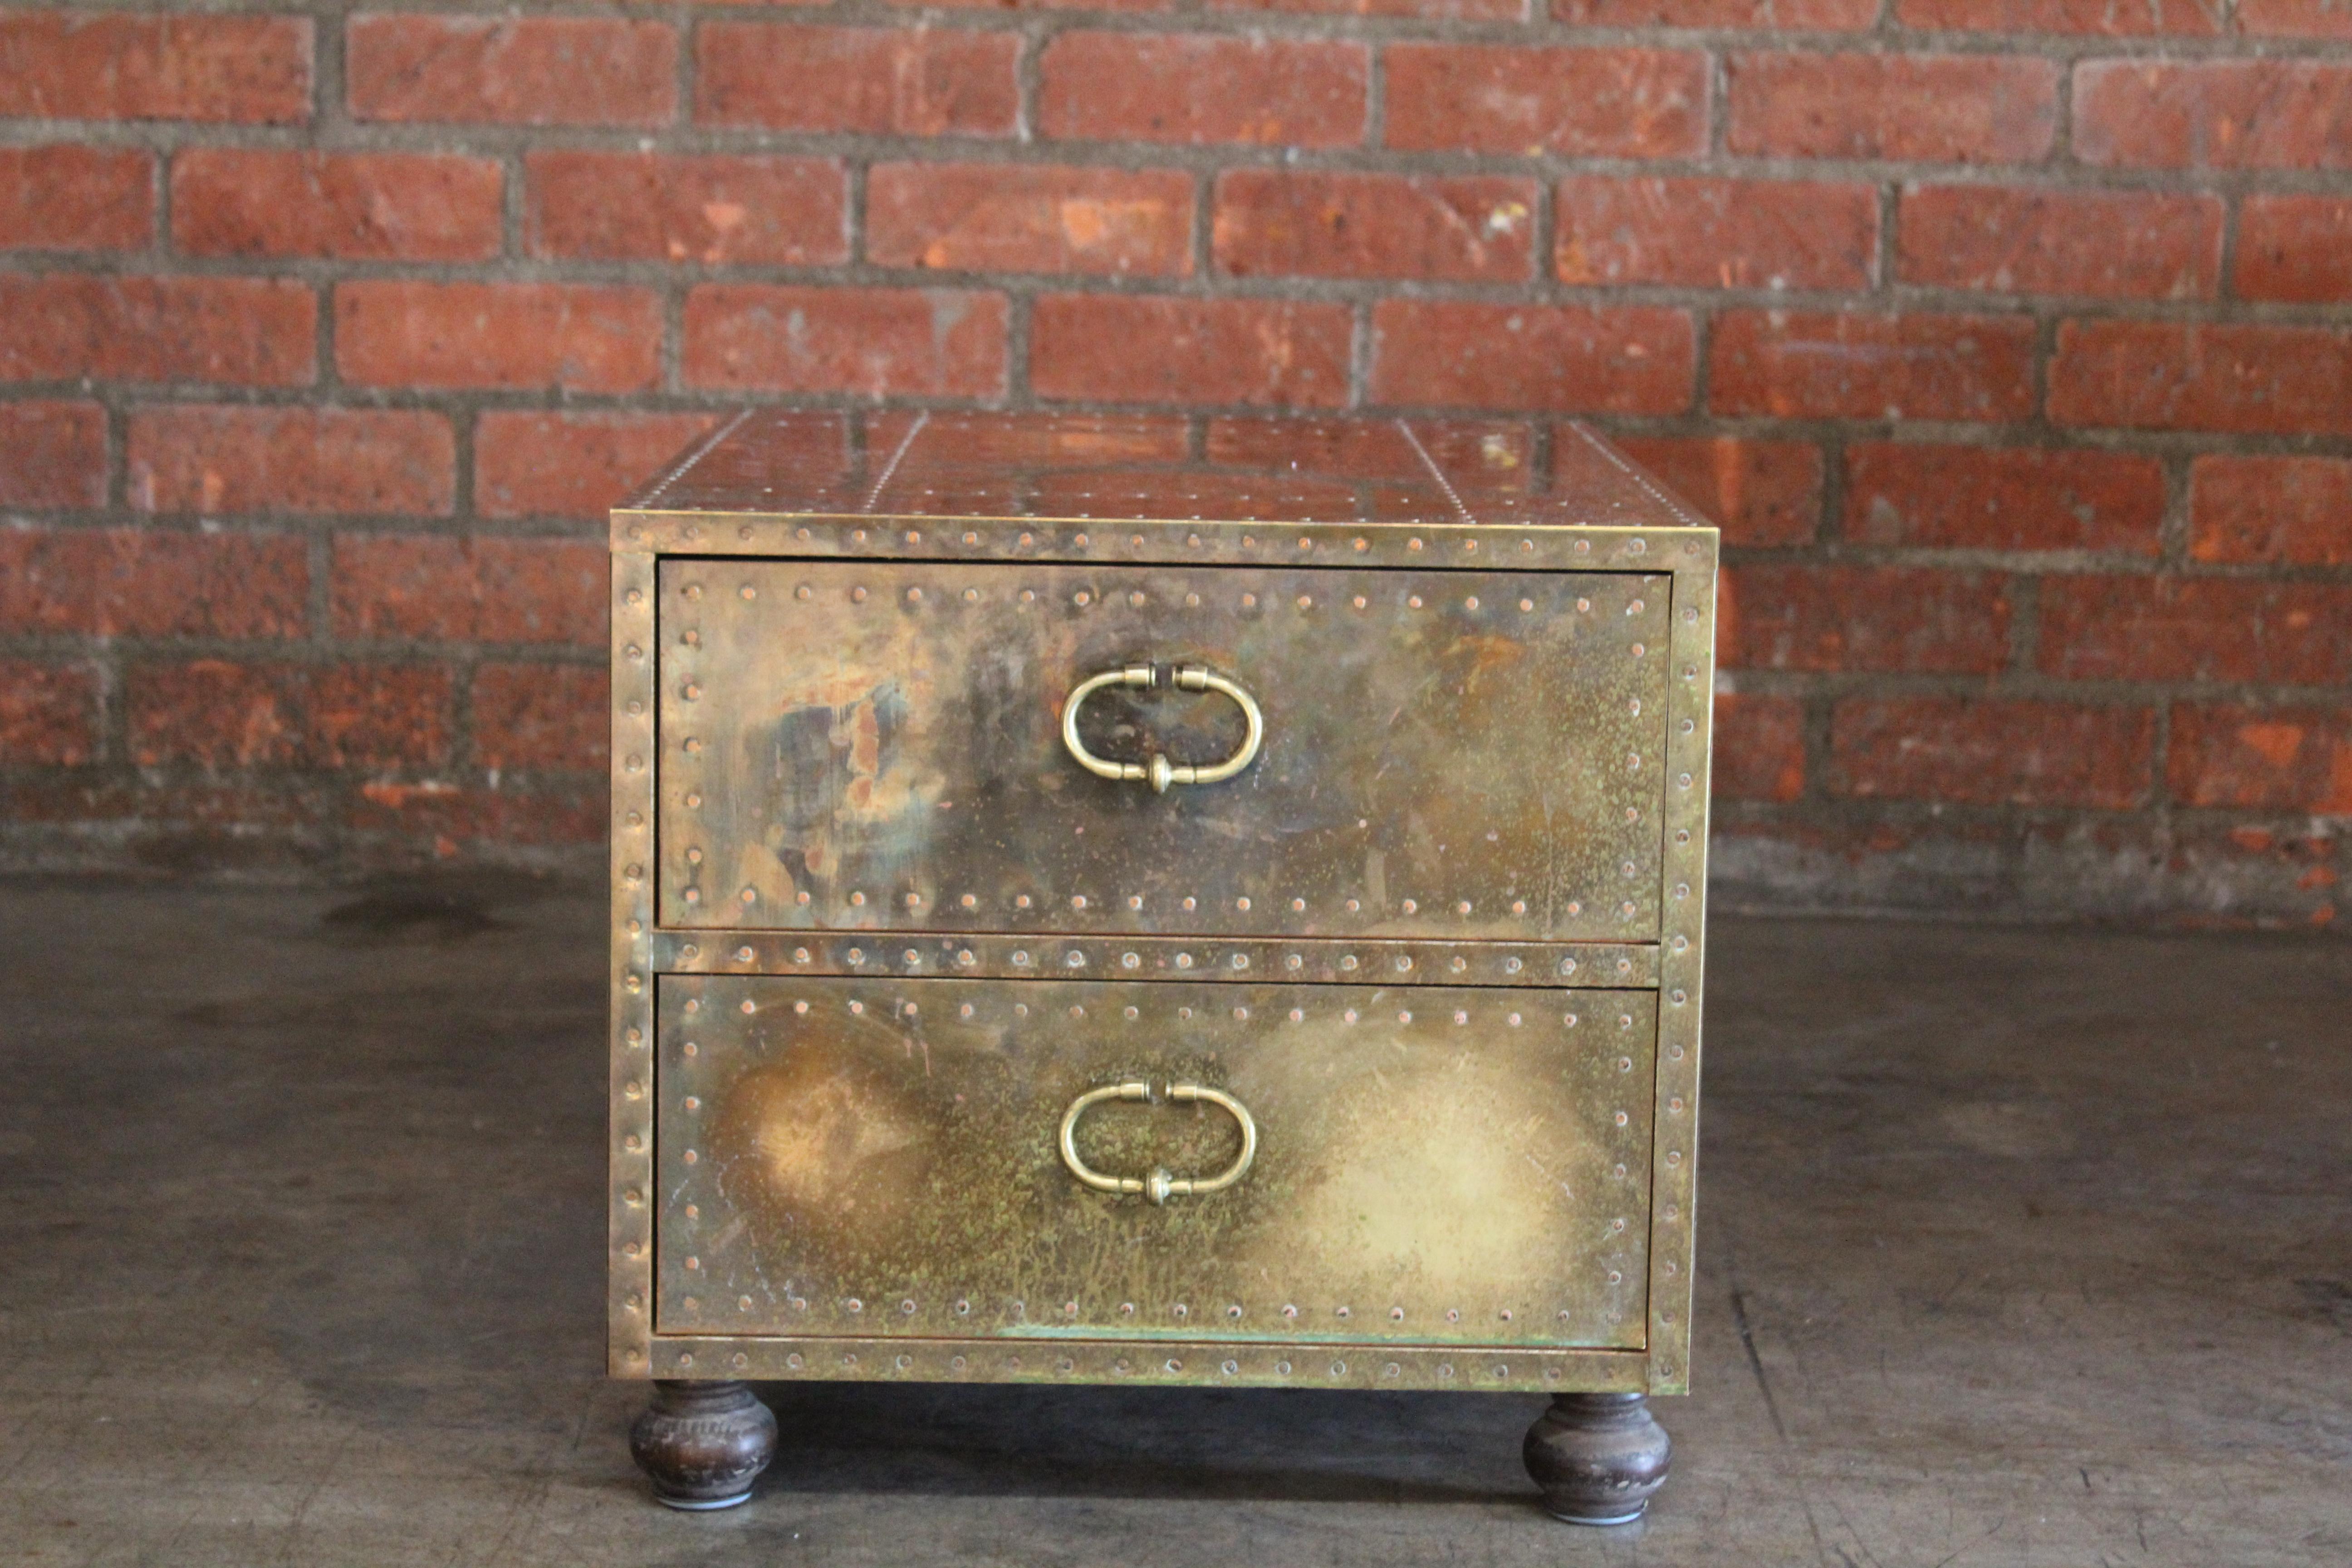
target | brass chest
[{"x": 1119, "y": 900}]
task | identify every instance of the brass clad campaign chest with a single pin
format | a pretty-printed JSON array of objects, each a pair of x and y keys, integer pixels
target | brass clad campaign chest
[{"x": 1125, "y": 899}]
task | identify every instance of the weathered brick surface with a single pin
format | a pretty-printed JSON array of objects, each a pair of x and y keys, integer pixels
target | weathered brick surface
[
  {"x": 221, "y": 461},
  {"x": 2255, "y": 511},
  {"x": 1824, "y": 618},
  {"x": 114, "y": 65},
  {"x": 404, "y": 206},
  {"x": 541, "y": 716},
  {"x": 2295, "y": 247},
  {"x": 436, "y": 588},
  {"x": 1757, "y": 492},
  {"x": 569, "y": 336},
  {"x": 1569, "y": 360},
  {"x": 1029, "y": 217},
  {"x": 2005, "y": 340},
  {"x": 1612, "y": 103},
  {"x": 1867, "y": 365},
  {"x": 56, "y": 454},
  {"x": 1992, "y": 753},
  {"x": 1273, "y": 223},
  {"x": 48, "y": 714},
  {"x": 511, "y": 69},
  {"x": 881, "y": 81},
  {"x": 2042, "y": 240},
  {"x": 65, "y": 197},
  {"x": 2187, "y": 375},
  {"x": 141, "y": 582},
  {"x": 2293, "y": 759},
  {"x": 937, "y": 343},
  {"x": 711, "y": 211},
  {"x": 1200, "y": 89},
  {"x": 1715, "y": 233},
  {"x": 1949, "y": 109},
  {"x": 2002, "y": 498},
  {"x": 1113, "y": 349},
  {"x": 254, "y": 332}
]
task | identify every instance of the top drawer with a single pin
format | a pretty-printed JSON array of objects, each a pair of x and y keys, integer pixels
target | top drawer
[{"x": 849, "y": 745}]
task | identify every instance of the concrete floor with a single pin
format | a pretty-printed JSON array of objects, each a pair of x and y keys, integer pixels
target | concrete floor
[{"x": 2019, "y": 1246}]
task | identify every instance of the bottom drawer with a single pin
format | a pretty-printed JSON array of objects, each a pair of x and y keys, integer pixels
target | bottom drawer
[{"x": 872, "y": 1157}]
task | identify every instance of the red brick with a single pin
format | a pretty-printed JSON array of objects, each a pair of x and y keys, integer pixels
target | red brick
[
  {"x": 64, "y": 197},
  {"x": 449, "y": 814},
  {"x": 2002, "y": 498},
  {"x": 2289, "y": 512},
  {"x": 1768, "y": 15},
  {"x": 250, "y": 331},
  {"x": 121, "y": 65},
  {"x": 1560, "y": 359},
  {"x": 2171, "y": 628},
  {"x": 1282, "y": 223},
  {"x": 223, "y": 715},
  {"x": 531, "y": 463},
  {"x": 1424, "y": 10},
  {"x": 57, "y": 454},
  {"x": 1715, "y": 233},
  {"x": 49, "y": 714},
  {"x": 1864, "y": 365},
  {"x": 629, "y": 206},
  {"x": 541, "y": 716},
  {"x": 1757, "y": 492},
  {"x": 1760, "y": 747},
  {"x": 935, "y": 342},
  {"x": 2262, "y": 758},
  {"x": 1131, "y": 349},
  {"x": 1952, "y": 109},
  {"x": 513, "y": 70},
  {"x": 1029, "y": 217},
  {"x": 876, "y": 81},
  {"x": 436, "y": 588},
  {"x": 2110, "y": 244},
  {"x": 1863, "y": 618},
  {"x": 1138, "y": 86},
  {"x": 2294, "y": 18},
  {"x": 213, "y": 460},
  {"x": 567, "y": 336},
  {"x": 356, "y": 206},
  {"x": 2109, "y": 19},
  {"x": 1602, "y": 103},
  {"x": 2295, "y": 247},
  {"x": 2214, "y": 114},
  {"x": 2182, "y": 375},
  {"x": 129, "y": 582},
  {"x": 1979, "y": 752}
]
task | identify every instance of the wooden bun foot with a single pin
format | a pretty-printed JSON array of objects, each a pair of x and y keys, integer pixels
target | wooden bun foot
[
  {"x": 702, "y": 1444},
  {"x": 1598, "y": 1458}
]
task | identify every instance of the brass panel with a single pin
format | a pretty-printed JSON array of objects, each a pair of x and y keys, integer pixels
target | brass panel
[
  {"x": 1324, "y": 961},
  {"x": 874, "y": 1159},
  {"x": 877, "y": 745}
]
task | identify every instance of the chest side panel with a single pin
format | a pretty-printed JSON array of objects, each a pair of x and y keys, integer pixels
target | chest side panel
[{"x": 877, "y": 745}]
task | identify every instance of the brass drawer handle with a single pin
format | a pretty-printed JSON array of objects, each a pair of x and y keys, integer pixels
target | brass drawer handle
[
  {"x": 1160, "y": 771},
  {"x": 1159, "y": 1187}
]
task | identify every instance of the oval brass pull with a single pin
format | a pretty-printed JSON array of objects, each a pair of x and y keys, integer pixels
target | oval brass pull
[
  {"x": 1159, "y": 770},
  {"x": 1159, "y": 1187}
]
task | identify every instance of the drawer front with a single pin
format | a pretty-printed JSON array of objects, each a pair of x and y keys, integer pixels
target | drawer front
[
  {"x": 880, "y": 745},
  {"x": 1429, "y": 1164}
]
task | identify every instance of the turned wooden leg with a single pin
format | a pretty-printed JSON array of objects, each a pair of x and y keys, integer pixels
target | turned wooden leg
[
  {"x": 703, "y": 1443},
  {"x": 1599, "y": 1457}
]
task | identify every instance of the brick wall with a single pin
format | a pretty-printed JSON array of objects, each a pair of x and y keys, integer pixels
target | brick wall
[{"x": 2008, "y": 339}]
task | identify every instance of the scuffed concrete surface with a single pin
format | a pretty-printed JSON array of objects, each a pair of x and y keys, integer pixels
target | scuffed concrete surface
[{"x": 2018, "y": 1246}]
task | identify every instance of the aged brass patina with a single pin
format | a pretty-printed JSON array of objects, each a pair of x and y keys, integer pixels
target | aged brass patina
[{"x": 1103, "y": 899}]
